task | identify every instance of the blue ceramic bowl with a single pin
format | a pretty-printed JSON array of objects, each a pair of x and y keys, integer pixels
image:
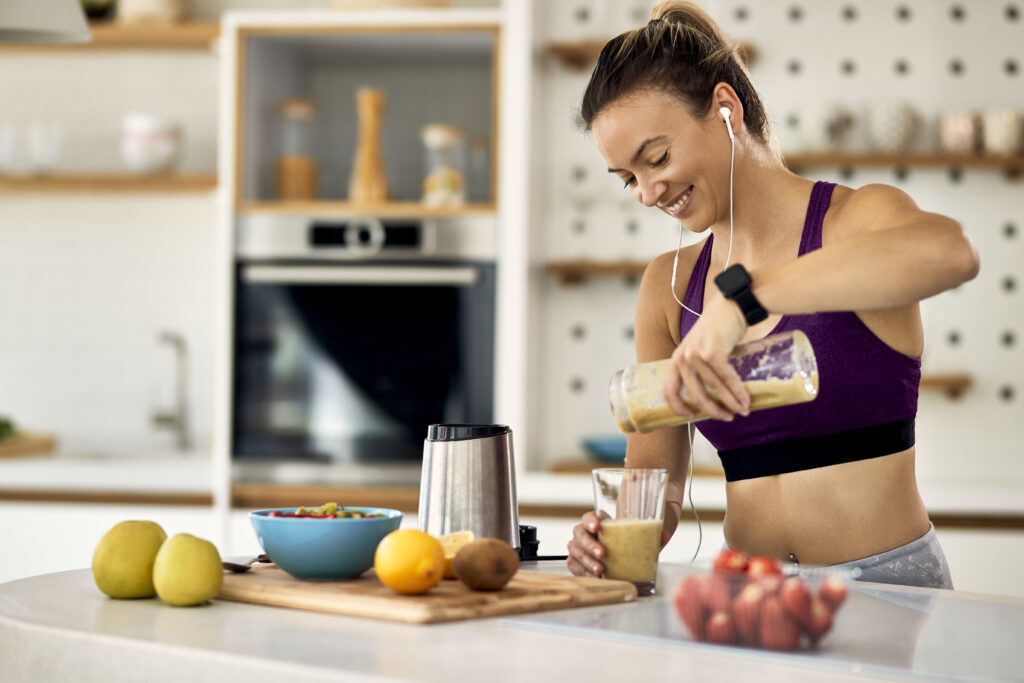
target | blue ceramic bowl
[
  {"x": 610, "y": 449},
  {"x": 309, "y": 548}
]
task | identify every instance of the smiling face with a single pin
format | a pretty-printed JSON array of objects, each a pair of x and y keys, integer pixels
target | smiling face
[{"x": 666, "y": 157}]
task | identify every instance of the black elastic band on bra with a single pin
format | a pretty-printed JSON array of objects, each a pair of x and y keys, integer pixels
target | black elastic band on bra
[{"x": 794, "y": 455}]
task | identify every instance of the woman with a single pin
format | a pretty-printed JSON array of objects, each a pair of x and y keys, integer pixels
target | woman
[{"x": 830, "y": 482}]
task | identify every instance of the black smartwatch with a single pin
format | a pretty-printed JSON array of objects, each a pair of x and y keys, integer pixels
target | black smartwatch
[{"x": 734, "y": 283}]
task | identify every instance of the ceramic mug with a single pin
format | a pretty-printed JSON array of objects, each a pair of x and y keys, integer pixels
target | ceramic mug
[
  {"x": 892, "y": 126},
  {"x": 959, "y": 132},
  {"x": 1001, "y": 131},
  {"x": 149, "y": 143}
]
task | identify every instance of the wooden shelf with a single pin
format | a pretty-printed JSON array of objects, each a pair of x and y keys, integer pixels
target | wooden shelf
[
  {"x": 397, "y": 209},
  {"x": 1011, "y": 165},
  {"x": 195, "y": 35},
  {"x": 95, "y": 183},
  {"x": 952, "y": 384},
  {"x": 575, "y": 272},
  {"x": 581, "y": 55}
]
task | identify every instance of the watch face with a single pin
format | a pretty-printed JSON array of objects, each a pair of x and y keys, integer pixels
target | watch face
[{"x": 733, "y": 279}]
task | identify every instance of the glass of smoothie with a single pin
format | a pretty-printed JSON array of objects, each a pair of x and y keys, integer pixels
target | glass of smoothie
[{"x": 629, "y": 502}]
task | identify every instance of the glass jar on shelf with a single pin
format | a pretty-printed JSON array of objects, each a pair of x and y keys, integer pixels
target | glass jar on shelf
[
  {"x": 297, "y": 171},
  {"x": 444, "y": 183}
]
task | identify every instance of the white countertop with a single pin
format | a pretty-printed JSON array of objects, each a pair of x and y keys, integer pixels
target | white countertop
[
  {"x": 192, "y": 472},
  {"x": 59, "y": 626}
]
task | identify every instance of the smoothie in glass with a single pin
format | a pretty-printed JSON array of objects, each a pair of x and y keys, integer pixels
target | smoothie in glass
[{"x": 631, "y": 549}]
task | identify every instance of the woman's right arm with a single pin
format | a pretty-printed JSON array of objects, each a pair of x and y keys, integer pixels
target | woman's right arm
[{"x": 656, "y": 315}]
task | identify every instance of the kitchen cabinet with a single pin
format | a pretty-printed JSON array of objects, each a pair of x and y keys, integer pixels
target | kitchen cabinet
[
  {"x": 44, "y": 537},
  {"x": 465, "y": 66},
  {"x": 126, "y": 39},
  {"x": 445, "y": 71},
  {"x": 191, "y": 35}
]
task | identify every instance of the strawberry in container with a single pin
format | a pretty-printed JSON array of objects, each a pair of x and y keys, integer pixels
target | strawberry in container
[{"x": 752, "y": 602}]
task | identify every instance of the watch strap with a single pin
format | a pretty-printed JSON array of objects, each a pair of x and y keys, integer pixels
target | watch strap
[{"x": 734, "y": 283}]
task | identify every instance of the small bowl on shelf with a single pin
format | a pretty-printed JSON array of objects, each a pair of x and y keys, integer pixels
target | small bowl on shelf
[
  {"x": 322, "y": 547},
  {"x": 606, "y": 449}
]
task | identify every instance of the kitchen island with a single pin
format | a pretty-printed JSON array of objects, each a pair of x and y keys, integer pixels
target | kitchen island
[{"x": 59, "y": 626}]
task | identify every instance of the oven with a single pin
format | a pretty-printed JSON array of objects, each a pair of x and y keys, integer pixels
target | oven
[{"x": 351, "y": 336}]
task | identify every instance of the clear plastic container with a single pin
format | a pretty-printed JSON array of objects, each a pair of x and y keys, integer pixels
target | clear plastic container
[
  {"x": 779, "y": 370},
  {"x": 444, "y": 183},
  {"x": 296, "y": 168}
]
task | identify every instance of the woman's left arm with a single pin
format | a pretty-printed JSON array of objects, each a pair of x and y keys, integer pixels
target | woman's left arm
[
  {"x": 887, "y": 253},
  {"x": 882, "y": 252}
]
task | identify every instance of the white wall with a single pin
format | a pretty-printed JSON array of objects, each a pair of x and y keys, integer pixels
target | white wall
[{"x": 87, "y": 281}]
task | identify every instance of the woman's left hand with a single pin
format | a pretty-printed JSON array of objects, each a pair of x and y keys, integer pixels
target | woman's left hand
[{"x": 701, "y": 364}]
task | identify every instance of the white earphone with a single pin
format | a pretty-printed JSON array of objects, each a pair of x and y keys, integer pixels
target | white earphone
[{"x": 725, "y": 113}]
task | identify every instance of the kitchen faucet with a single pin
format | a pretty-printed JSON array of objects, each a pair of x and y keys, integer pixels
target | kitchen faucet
[{"x": 177, "y": 418}]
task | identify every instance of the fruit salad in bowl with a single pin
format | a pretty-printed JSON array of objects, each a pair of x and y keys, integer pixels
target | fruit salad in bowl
[{"x": 325, "y": 542}]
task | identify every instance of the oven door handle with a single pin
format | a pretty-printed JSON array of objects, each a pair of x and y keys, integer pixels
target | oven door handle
[{"x": 360, "y": 275}]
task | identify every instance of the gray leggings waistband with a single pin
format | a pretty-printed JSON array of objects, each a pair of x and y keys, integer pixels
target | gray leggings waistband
[{"x": 918, "y": 563}]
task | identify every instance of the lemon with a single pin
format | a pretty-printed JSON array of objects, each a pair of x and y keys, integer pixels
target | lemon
[
  {"x": 187, "y": 571},
  {"x": 122, "y": 565},
  {"x": 451, "y": 544},
  {"x": 409, "y": 561}
]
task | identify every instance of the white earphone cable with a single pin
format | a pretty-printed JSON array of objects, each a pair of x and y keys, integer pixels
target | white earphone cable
[
  {"x": 675, "y": 267},
  {"x": 732, "y": 162},
  {"x": 693, "y": 508}
]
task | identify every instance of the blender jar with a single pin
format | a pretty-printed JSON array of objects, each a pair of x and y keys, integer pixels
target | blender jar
[{"x": 779, "y": 370}]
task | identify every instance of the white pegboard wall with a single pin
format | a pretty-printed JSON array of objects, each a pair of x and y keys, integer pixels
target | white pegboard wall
[{"x": 811, "y": 57}]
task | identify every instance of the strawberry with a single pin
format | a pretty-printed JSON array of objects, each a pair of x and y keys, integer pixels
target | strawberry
[
  {"x": 796, "y": 599},
  {"x": 820, "y": 620},
  {"x": 746, "y": 612},
  {"x": 720, "y": 628},
  {"x": 730, "y": 560},
  {"x": 771, "y": 584},
  {"x": 718, "y": 593},
  {"x": 688, "y": 599},
  {"x": 833, "y": 592},
  {"x": 762, "y": 565},
  {"x": 778, "y": 631}
]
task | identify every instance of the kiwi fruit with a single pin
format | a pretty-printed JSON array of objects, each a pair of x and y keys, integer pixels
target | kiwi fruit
[{"x": 486, "y": 564}]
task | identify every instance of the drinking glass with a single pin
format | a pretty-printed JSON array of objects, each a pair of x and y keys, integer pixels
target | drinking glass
[{"x": 629, "y": 503}]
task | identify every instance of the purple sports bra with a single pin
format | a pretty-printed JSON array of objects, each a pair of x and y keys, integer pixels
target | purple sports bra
[{"x": 867, "y": 394}]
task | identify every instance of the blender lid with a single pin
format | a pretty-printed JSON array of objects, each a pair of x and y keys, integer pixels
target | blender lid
[{"x": 461, "y": 432}]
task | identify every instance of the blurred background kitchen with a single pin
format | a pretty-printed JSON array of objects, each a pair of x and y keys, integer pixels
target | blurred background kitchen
[{"x": 250, "y": 248}]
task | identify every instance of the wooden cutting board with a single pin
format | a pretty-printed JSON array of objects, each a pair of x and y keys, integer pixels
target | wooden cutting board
[
  {"x": 450, "y": 600},
  {"x": 27, "y": 443}
]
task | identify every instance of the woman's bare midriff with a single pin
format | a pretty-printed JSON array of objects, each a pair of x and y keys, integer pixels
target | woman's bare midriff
[{"x": 828, "y": 515}]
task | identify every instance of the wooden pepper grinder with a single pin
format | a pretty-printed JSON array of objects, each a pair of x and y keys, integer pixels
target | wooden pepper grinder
[{"x": 369, "y": 182}]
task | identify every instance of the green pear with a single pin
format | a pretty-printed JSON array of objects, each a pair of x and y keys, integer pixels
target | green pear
[
  {"x": 122, "y": 564},
  {"x": 187, "y": 571}
]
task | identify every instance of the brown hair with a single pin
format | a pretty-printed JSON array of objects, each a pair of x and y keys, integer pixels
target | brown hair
[{"x": 681, "y": 51}]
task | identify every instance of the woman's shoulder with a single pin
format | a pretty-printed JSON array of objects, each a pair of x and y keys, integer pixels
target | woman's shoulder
[{"x": 870, "y": 207}]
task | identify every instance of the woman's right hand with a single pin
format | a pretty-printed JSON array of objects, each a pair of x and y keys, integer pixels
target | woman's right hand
[{"x": 585, "y": 552}]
